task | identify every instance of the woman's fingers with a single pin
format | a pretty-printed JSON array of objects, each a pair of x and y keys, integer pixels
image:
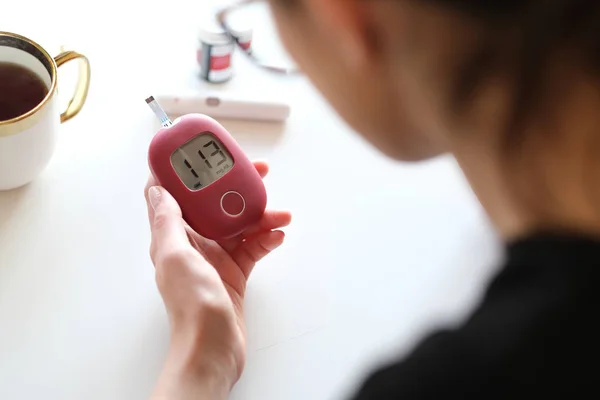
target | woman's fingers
[
  {"x": 151, "y": 182},
  {"x": 271, "y": 220},
  {"x": 167, "y": 227},
  {"x": 247, "y": 254},
  {"x": 262, "y": 168}
]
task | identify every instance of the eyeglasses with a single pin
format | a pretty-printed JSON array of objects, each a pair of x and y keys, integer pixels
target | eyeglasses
[{"x": 264, "y": 48}]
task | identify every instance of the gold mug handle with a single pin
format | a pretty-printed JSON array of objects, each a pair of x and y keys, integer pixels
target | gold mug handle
[{"x": 83, "y": 83}]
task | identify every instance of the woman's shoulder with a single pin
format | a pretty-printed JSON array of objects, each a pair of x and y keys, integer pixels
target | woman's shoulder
[{"x": 531, "y": 336}]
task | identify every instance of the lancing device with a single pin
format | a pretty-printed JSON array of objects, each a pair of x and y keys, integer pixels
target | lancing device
[
  {"x": 201, "y": 165},
  {"x": 217, "y": 106}
]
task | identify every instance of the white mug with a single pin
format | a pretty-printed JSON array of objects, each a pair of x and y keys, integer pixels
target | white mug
[{"x": 27, "y": 141}]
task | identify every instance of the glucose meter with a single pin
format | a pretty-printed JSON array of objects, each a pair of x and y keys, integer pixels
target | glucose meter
[{"x": 202, "y": 166}]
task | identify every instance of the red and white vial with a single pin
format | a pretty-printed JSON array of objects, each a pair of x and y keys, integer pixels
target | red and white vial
[
  {"x": 214, "y": 54},
  {"x": 215, "y": 51}
]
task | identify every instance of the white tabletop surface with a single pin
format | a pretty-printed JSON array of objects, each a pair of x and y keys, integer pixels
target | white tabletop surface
[{"x": 378, "y": 252}]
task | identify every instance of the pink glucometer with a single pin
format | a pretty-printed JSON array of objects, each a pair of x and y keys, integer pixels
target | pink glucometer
[{"x": 202, "y": 166}]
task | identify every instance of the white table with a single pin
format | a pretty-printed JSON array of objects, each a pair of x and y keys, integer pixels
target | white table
[{"x": 378, "y": 252}]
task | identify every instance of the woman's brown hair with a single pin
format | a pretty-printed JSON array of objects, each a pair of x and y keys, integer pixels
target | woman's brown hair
[{"x": 525, "y": 38}]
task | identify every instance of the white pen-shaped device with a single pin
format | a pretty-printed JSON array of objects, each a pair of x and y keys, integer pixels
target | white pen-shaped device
[{"x": 218, "y": 106}]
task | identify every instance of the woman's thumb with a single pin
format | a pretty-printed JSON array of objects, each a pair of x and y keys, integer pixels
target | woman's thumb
[{"x": 167, "y": 226}]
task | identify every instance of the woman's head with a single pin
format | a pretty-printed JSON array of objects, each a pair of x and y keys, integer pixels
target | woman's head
[
  {"x": 510, "y": 87},
  {"x": 411, "y": 74}
]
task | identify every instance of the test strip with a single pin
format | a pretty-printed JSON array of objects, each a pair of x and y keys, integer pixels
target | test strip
[{"x": 159, "y": 112}]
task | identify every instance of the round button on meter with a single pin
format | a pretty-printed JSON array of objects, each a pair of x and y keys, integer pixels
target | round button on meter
[
  {"x": 233, "y": 204},
  {"x": 201, "y": 165}
]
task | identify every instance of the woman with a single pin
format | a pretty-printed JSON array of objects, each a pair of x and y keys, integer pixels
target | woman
[{"x": 512, "y": 90}]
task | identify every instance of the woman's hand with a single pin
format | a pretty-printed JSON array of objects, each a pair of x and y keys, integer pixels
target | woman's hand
[{"x": 202, "y": 284}]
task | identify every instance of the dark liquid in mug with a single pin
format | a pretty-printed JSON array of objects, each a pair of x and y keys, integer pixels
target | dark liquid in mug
[{"x": 20, "y": 90}]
